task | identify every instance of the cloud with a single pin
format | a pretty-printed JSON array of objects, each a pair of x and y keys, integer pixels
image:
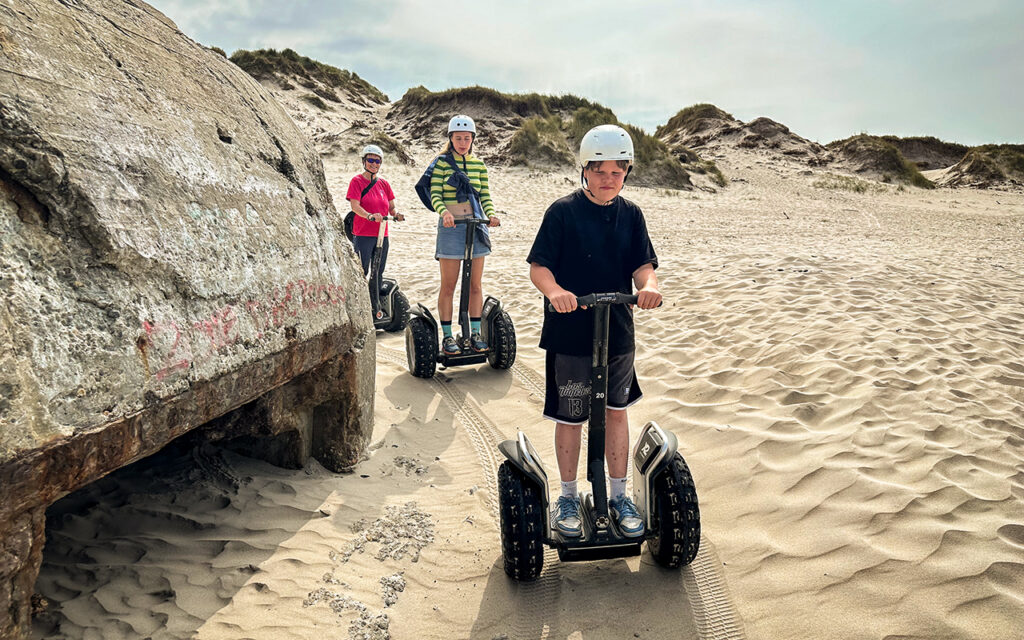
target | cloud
[{"x": 826, "y": 70}]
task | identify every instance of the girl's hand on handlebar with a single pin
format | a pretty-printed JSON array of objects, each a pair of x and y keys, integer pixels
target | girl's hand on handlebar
[
  {"x": 648, "y": 298},
  {"x": 399, "y": 217},
  {"x": 374, "y": 217},
  {"x": 563, "y": 301},
  {"x": 493, "y": 221},
  {"x": 448, "y": 219}
]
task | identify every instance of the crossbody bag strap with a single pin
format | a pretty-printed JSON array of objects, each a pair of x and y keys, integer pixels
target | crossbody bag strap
[{"x": 373, "y": 181}]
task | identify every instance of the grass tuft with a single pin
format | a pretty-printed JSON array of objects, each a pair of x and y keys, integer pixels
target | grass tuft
[
  {"x": 689, "y": 118},
  {"x": 316, "y": 102},
  {"x": 264, "y": 64}
]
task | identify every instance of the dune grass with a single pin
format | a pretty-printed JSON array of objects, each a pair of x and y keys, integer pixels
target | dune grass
[
  {"x": 847, "y": 183},
  {"x": 523, "y": 104},
  {"x": 881, "y": 156},
  {"x": 267, "y": 63},
  {"x": 541, "y": 140},
  {"x": 1008, "y": 157},
  {"x": 940, "y": 146},
  {"x": 393, "y": 148},
  {"x": 688, "y": 117},
  {"x": 317, "y": 102}
]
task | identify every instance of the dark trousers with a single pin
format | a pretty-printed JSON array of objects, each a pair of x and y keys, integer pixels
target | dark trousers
[{"x": 364, "y": 246}]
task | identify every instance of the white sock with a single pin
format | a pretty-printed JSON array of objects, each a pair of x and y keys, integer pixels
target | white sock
[
  {"x": 618, "y": 487},
  {"x": 569, "y": 489}
]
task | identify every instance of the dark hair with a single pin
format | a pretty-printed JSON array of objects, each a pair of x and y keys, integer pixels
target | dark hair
[{"x": 623, "y": 164}]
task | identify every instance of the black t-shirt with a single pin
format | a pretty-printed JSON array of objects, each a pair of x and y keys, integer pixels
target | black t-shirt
[{"x": 591, "y": 249}]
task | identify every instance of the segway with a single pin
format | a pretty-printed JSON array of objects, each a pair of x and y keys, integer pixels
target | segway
[
  {"x": 389, "y": 305},
  {"x": 421, "y": 344},
  {"x": 663, "y": 488}
]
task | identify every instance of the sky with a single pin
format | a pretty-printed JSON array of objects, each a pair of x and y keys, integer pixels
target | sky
[{"x": 827, "y": 70}]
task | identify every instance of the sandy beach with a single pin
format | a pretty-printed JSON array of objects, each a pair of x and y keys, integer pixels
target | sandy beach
[{"x": 844, "y": 371}]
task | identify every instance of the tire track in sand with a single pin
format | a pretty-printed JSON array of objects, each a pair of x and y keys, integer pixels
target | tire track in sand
[
  {"x": 537, "y": 598},
  {"x": 703, "y": 581}
]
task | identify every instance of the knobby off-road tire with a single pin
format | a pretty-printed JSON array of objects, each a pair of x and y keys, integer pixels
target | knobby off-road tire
[
  {"x": 677, "y": 519},
  {"x": 503, "y": 343},
  {"x": 421, "y": 347},
  {"x": 399, "y": 314},
  {"x": 522, "y": 524}
]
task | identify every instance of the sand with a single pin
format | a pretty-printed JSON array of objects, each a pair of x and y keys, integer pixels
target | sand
[{"x": 844, "y": 371}]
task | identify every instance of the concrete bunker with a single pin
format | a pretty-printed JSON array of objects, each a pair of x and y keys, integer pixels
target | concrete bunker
[{"x": 170, "y": 258}]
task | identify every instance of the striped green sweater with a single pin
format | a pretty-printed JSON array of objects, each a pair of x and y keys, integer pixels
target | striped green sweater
[{"x": 441, "y": 192}]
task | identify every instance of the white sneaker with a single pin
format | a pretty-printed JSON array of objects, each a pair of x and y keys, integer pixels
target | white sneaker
[
  {"x": 626, "y": 516},
  {"x": 566, "y": 516}
]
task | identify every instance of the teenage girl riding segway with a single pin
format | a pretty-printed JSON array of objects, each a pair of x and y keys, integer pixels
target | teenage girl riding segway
[
  {"x": 367, "y": 228},
  {"x": 663, "y": 488},
  {"x": 455, "y": 186}
]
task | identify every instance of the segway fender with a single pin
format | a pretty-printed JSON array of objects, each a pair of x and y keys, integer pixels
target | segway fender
[
  {"x": 651, "y": 455},
  {"x": 520, "y": 452},
  {"x": 420, "y": 311},
  {"x": 490, "y": 310}
]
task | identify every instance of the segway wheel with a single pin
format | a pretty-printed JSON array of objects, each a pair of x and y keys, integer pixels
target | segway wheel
[
  {"x": 503, "y": 343},
  {"x": 399, "y": 313},
  {"x": 421, "y": 347},
  {"x": 677, "y": 519},
  {"x": 522, "y": 524}
]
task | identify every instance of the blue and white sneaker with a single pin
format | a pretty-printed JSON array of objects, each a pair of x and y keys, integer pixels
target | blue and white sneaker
[
  {"x": 479, "y": 344},
  {"x": 450, "y": 346},
  {"x": 626, "y": 516},
  {"x": 566, "y": 517}
]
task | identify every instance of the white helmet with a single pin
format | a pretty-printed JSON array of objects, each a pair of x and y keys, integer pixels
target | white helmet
[
  {"x": 606, "y": 142},
  {"x": 462, "y": 123},
  {"x": 374, "y": 149}
]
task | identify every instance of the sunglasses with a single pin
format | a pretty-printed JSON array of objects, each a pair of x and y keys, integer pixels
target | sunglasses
[{"x": 371, "y": 160}]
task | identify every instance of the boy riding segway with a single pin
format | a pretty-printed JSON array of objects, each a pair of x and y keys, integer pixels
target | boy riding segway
[{"x": 592, "y": 248}]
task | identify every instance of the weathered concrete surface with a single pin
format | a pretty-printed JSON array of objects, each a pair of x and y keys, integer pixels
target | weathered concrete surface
[{"x": 169, "y": 252}]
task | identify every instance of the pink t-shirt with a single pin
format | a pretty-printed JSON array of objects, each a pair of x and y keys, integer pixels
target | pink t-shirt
[{"x": 377, "y": 200}]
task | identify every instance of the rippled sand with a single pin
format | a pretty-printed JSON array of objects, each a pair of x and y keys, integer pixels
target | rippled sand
[{"x": 845, "y": 373}]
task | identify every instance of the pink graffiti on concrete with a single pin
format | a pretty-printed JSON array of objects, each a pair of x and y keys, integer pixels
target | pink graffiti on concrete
[{"x": 175, "y": 347}]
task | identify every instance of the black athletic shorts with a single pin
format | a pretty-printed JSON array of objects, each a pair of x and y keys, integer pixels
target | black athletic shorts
[{"x": 567, "y": 388}]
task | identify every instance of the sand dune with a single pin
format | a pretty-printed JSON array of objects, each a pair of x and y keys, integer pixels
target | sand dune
[{"x": 845, "y": 372}]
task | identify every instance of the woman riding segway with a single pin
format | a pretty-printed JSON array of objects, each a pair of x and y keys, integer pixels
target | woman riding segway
[{"x": 372, "y": 201}]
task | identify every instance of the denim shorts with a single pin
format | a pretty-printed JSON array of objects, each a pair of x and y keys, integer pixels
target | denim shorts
[
  {"x": 451, "y": 243},
  {"x": 567, "y": 388}
]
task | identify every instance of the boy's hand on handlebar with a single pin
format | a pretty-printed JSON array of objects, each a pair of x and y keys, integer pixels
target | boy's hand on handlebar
[
  {"x": 648, "y": 298},
  {"x": 493, "y": 221},
  {"x": 398, "y": 217},
  {"x": 448, "y": 219},
  {"x": 375, "y": 217},
  {"x": 563, "y": 301}
]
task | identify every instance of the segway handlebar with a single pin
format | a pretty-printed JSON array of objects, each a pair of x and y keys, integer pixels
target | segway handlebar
[{"x": 595, "y": 299}]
